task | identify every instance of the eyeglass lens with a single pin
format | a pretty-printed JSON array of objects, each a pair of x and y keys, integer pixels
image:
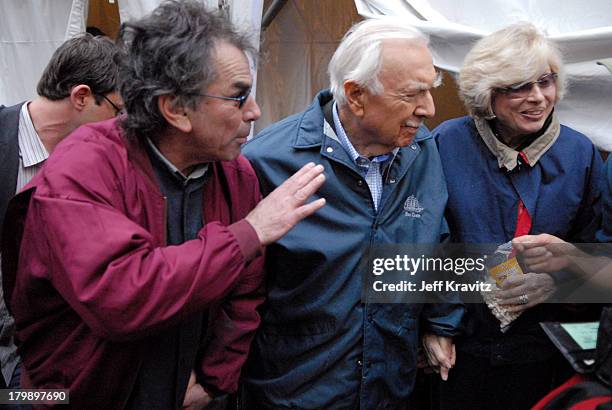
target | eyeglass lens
[{"x": 522, "y": 90}]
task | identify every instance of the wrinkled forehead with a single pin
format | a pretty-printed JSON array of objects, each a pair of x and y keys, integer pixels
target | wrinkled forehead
[
  {"x": 232, "y": 64},
  {"x": 407, "y": 64},
  {"x": 402, "y": 48}
]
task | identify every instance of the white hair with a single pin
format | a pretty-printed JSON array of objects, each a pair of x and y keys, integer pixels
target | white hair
[
  {"x": 515, "y": 54},
  {"x": 357, "y": 58}
]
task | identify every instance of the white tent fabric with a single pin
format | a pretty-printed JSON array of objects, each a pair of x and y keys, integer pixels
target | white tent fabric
[
  {"x": 30, "y": 30},
  {"x": 77, "y": 18},
  {"x": 583, "y": 31},
  {"x": 133, "y": 9},
  {"x": 241, "y": 11}
]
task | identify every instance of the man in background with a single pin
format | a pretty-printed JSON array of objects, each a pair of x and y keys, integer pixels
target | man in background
[{"x": 79, "y": 85}]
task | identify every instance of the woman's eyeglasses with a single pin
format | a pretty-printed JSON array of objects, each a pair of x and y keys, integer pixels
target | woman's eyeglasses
[{"x": 522, "y": 90}]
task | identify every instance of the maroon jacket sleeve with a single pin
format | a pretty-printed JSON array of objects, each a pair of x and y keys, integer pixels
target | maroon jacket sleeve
[
  {"x": 231, "y": 333},
  {"x": 108, "y": 270},
  {"x": 86, "y": 234},
  {"x": 232, "y": 324}
]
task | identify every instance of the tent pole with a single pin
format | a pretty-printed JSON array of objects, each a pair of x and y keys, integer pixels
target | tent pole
[{"x": 271, "y": 12}]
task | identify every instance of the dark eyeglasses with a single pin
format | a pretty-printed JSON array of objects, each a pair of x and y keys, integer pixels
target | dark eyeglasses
[
  {"x": 118, "y": 110},
  {"x": 240, "y": 100},
  {"x": 522, "y": 90}
]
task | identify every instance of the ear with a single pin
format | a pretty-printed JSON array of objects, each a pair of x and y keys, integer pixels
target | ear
[
  {"x": 356, "y": 97},
  {"x": 80, "y": 96},
  {"x": 174, "y": 113},
  {"x": 490, "y": 113}
]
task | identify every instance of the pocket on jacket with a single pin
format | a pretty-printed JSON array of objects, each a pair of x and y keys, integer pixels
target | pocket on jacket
[
  {"x": 398, "y": 330},
  {"x": 282, "y": 348}
]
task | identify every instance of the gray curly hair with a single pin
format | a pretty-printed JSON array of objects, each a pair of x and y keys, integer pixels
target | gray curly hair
[{"x": 170, "y": 52}]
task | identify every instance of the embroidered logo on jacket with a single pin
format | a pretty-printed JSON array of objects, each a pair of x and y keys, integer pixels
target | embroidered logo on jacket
[{"x": 412, "y": 207}]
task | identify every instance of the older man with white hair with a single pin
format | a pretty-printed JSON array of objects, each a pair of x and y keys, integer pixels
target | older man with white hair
[{"x": 320, "y": 345}]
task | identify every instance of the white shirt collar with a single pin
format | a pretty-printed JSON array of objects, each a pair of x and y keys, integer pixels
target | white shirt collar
[{"x": 31, "y": 148}]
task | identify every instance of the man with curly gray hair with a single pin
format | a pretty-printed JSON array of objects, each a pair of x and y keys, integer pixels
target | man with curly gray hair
[{"x": 142, "y": 273}]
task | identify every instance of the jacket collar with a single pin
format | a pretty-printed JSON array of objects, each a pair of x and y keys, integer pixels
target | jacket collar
[
  {"x": 9, "y": 155},
  {"x": 311, "y": 123},
  {"x": 137, "y": 153},
  {"x": 508, "y": 157},
  {"x": 315, "y": 132},
  {"x": 9, "y": 119}
]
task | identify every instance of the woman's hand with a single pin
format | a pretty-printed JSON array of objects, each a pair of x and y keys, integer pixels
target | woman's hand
[
  {"x": 544, "y": 252},
  {"x": 521, "y": 292}
]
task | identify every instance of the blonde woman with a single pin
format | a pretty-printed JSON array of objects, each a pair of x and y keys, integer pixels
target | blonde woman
[{"x": 512, "y": 169}]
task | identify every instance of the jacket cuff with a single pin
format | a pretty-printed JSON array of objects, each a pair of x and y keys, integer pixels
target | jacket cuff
[
  {"x": 247, "y": 239},
  {"x": 443, "y": 319},
  {"x": 566, "y": 283}
]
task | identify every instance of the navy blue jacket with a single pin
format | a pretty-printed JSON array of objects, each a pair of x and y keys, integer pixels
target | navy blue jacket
[
  {"x": 319, "y": 346},
  {"x": 605, "y": 232},
  {"x": 561, "y": 192}
]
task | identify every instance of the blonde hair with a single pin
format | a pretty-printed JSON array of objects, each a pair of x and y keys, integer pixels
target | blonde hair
[{"x": 515, "y": 54}]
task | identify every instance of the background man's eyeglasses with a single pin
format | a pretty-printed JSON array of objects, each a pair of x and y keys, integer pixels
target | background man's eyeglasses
[
  {"x": 117, "y": 109},
  {"x": 523, "y": 89}
]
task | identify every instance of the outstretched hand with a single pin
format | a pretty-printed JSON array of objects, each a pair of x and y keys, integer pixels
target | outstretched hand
[{"x": 280, "y": 211}]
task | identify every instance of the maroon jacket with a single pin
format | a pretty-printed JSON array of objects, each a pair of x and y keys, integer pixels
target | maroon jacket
[{"x": 94, "y": 278}]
